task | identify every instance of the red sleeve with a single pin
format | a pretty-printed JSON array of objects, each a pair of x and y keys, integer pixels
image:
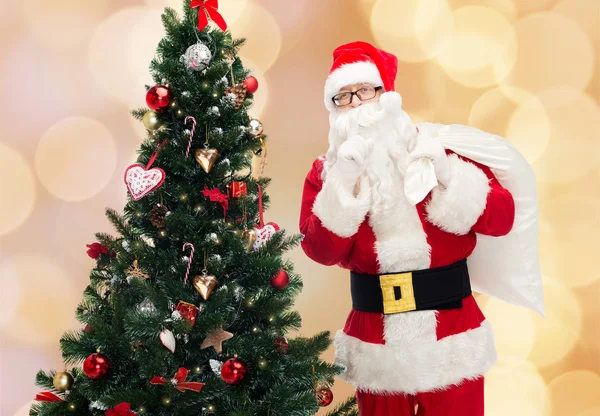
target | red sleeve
[
  {"x": 498, "y": 216},
  {"x": 319, "y": 243}
]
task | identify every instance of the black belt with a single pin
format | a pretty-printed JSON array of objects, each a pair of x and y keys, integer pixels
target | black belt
[{"x": 437, "y": 288}]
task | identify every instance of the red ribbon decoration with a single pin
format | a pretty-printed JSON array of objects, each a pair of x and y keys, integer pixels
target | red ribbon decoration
[
  {"x": 48, "y": 397},
  {"x": 215, "y": 195},
  {"x": 212, "y": 8},
  {"x": 122, "y": 409},
  {"x": 179, "y": 381}
]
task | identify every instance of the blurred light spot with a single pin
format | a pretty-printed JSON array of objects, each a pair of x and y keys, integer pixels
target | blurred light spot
[
  {"x": 46, "y": 304},
  {"x": 547, "y": 56},
  {"x": 262, "y": 94},
  {"x": 413, "y": 30},
  {"x": 574, "y": 392},
  {"x": 423, "y": 87},
  {"x": 263, "y": 36},
  {"x": 515, "y": 114},
  {"x": 76, "y": 158},
  {"x": 17, "y": 188},
  {"x": 513, "y": 327},
  {"x": 505, "y": 7},
  {"x": 481, "y": 49},
  {"x": 24, "y": 411},
  {"x": 578, "y": 234},
  {"x": 11, "y": 291},
  {"x": 529, "y": 6},
  {"x": 514, "y": 387},
  {"x": 121, "y": 50},
  {"x": 76, "y": 223},
  {"x": 584, "y": 12},
  {"x": 574, "y": 148},
  {"x": 558, "y": 332},
  {"x": 63, "y": 23}
]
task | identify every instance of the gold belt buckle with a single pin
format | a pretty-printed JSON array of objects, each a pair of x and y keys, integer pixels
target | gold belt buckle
[{"x": 407, "y": 301}]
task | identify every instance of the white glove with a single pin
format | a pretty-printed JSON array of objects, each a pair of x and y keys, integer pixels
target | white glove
[
  {"x": 352, "y": 159},
  {"x": 432, "y": 149}
]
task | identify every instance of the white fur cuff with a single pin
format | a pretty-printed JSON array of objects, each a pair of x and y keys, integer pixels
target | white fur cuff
[
  {"x": 458, "y": 207},
  {"x": 336, "y": 207}
]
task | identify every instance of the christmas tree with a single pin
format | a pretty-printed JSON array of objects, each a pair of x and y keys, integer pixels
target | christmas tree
[{"x": 187, "y": 308}]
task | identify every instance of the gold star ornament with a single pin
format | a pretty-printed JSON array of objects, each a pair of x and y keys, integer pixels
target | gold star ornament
[{"x": 215, "y": 339}]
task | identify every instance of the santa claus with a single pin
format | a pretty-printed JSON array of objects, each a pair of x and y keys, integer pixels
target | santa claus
[{"x": 415, "y": 334}]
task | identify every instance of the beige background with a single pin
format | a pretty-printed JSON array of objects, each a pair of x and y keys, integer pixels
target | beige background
[{"x": 527, "y": 70}]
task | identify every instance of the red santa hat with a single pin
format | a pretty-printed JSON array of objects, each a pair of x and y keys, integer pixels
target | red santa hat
[{"x": 360, "y": 62}]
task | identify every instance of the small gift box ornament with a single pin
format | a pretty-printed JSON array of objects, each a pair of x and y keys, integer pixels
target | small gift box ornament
[
  {"x": 236, "y": 189},
  {"x": 187, "y": 311}
]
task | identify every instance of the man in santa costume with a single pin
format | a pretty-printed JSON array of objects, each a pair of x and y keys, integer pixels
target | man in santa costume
[{"x": 415, "y": 335}]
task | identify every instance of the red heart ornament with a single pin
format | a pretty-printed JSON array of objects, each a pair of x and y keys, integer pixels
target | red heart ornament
[
  {"x": 264, "y": 234},
  {"x": 141, "y": 181}
]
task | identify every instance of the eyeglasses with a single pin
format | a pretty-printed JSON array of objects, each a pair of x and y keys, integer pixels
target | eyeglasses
[{"x": 366, "y": 92}]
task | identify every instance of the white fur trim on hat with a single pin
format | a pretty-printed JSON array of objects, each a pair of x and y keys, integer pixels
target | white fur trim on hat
[{"x": 350, "y": 74}]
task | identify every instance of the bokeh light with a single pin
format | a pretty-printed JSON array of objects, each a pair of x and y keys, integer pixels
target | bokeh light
[
  {"x": 415, "y": 31},
  {"x": 514, "y": 387},
  {"x": 513, "y": 327},
  {"x": 423, "y": 88},
  {"x": 41, "y": 317},
  {"x": 263, "y": 36},
  {"x": 121, "y": 50},
  {"x": 76, "y": 158},
  {"x": 9, "y": 296},
  {"x": 574, "y": 148},
  {"x": 481, "y": 49},
  {"x": 77, "y": 223},
  {"x": 24, "y": 411},
  {"x": 506, "y": 7},
  {"x": 558, "y": 332},
  {"x": 62, "y": 23},
  {"x": 17, "y": 188},
  {"x": 573, "y": 392},
  {"x": 554, "y": 52},
  {"x": 578, "y": 232}
]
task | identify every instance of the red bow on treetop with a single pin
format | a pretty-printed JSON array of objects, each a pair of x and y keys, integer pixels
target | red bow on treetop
[
  {"x": 122, "y": 409},
  {"x": 212, "y": 8},
  {"x": 179, "y": 381}
]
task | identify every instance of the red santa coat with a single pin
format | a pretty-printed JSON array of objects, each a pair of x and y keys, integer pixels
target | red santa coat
[{"x": 416, "y": 351}]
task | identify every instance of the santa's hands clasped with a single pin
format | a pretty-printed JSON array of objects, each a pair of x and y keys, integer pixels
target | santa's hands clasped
[{"x": 432, "y": 149}]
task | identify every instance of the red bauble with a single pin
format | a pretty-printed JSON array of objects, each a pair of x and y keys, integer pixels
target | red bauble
[
  {"x": 159, "y": 97},
  {"x": 234, "y": 371},
  {"x": 251, "y": 84},
  {"x": 96, "y": 366},
  {"x": 281, "y": 343},
  {"x": 188, "y": 311},
  {"x": 324, "y": 396},
  {"x": 281, "y": 280}
]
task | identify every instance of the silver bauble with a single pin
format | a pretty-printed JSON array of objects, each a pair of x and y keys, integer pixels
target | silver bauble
[
  {"x": 255, "y": 128},
  {"x": 197, "y": 57}
]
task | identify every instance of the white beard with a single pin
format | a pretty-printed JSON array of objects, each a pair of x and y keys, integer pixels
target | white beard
[{"x": 390, "y": 139}]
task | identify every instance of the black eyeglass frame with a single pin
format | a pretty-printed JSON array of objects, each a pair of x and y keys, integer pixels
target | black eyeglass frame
[{"x": 352, "y": 94}]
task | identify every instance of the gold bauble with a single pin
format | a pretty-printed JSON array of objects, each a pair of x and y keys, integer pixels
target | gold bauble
[
  {"x": 63, "y": 381},
  {"x": 255, "y": 128},
  {"x": 249, "y": 237},
  {"x": 151, "y": 121}
]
